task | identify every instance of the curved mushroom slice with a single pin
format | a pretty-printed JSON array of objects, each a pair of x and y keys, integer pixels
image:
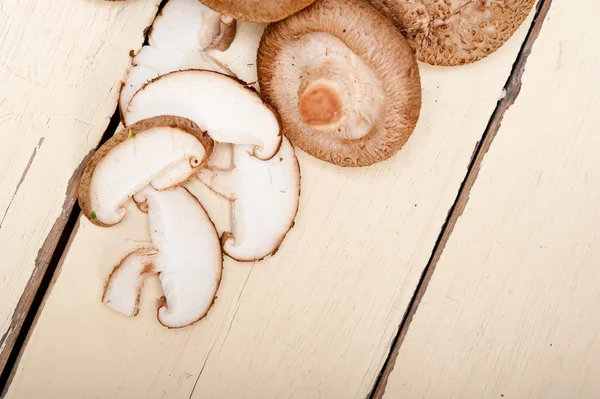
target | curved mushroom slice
[
  {"x": 162, "y": 151},
  {"x": 455, "y": 32},
  {"x": 123, "y": 288},
  {"x": 266, "y": 196},
  {"x": 189, "y": 257},
  {"x": 221, "y": 105},
  {"x": 180, "y": 38},
  {"x": 257, "y": 10},
  {"x": 150, "y": 63},
  {"x": 339, "y": 99}
]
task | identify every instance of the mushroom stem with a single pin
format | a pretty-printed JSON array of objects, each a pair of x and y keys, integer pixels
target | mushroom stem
[{"x": 320, "y": 104}]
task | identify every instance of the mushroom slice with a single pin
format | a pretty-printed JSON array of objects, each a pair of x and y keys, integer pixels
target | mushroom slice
[
  {"x": 257, "y": 10},
  {"x": 123, "y": 289},
  {"x": 221, "y": 105},
  {"x": 342, "y": 96},
  {"x": 162, "y": 151},
  {"x": 455, "y": 32},
  {"x": 189, "y": 259},
  {"x": 240, "y": 57},
  {"x": 181, "y": 37},
  {"x": 266, "y": 196},
  {"x": 185, "y": 25}
]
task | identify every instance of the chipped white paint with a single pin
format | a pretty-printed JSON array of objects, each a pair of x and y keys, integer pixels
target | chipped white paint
[
  {"x": 314, "y": 321},
  {"x": 512, "y": 309},
  {"x": 60, "y": 66}
]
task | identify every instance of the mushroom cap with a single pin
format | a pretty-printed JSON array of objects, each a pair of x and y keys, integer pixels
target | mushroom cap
[
  {"x": 262, "y": 11},
  {"x": 456, "y": 32},
  {"x": 342, "y": 96},
  {"x": 163, "y": 151},
  {"x": 225, "y": 107}
]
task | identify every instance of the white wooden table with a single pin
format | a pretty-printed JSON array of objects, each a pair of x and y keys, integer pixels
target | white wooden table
[{"x": 468, "y": 266}]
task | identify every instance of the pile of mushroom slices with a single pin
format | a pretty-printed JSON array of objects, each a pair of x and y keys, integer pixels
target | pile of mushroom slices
[
  {"x": 181, "y": 110},
  {"x": 337, "y": 78}
]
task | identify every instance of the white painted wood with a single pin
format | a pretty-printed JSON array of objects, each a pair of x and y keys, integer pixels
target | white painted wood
[
  {"x": 60, "y": 66},
  {"x": 314, "y": 321},
  {"x": 513, "y": 307}
]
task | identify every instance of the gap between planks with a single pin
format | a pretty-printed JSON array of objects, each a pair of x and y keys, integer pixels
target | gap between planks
[
  {"x": 512, "y": 88},
  {"x": 33, "y": 298}
]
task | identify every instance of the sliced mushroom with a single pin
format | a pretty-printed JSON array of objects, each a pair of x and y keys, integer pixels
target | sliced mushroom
[
  {"x": 342, "y": 96},
  {"x": 185, "y": 25},
  {"x": 240, "y": 57},
  {"x": 163, "y": 151},
  {"x": 180, "y": 38},
  {"x": 266, "y": 196},
  {"x": 257, "y": 10},
  {"x": 123, "y": 289},
  {"x": 221, "y": 105},
  {"x": 189, "y": 258},
  {"x": 455, "y": 32}
]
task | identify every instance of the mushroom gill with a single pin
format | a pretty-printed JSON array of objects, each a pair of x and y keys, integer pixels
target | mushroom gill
[{"x": 342, "y": 96}]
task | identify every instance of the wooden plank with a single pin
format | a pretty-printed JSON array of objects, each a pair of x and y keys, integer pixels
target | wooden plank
[
  {"x": 512, "y": 90},
  {"x": 60, "y": 65},
  {"x": 317, "y": 319},
  {"x": 512, "y": 308}
]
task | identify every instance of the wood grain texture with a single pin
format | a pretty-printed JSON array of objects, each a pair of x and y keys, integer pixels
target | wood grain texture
[
  {"x": 314, "y": 321},
  {"x": 60, "y": 65},
  {"x": 513, "y": 88},
  {"x": 512, "y": 308}
]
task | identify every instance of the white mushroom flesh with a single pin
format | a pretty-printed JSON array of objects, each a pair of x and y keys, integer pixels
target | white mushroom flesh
[
  {"x": 220, "y": 105},
  {"x": 176, "y": 42},
  {"x": 123, "y": 289},
  {"x": 189, "y": 257},
  {"x": 161, "y": 157},
  {"x": 183, "y": 25},
  {"x": 266, "y": 197},
  {"x": 240, "y": 57}
]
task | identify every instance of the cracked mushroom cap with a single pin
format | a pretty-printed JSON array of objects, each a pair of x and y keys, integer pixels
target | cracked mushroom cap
[
  {"x": 455, "y": 32},
  {"x": 163, "y": 151},
  {"x": 342, "y": 96},
  {"x": 262, "y": 11}
]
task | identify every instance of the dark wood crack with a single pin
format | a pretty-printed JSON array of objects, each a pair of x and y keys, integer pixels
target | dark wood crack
[{"x": 512, "y": 87}]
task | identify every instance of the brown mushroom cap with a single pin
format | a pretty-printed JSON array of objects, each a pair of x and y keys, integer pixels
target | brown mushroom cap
[
  {"x": 262, "y": 11},
  {"x": 456, "y": 32},
  {"x": 344, "y": 81}
]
